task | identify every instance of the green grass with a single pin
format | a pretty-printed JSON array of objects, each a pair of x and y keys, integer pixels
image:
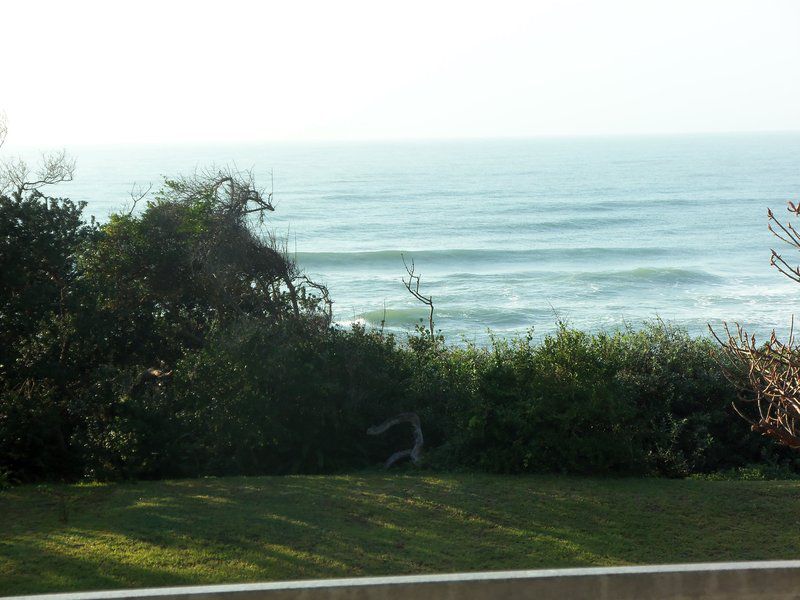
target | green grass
[{"x": 63, "y": 538}]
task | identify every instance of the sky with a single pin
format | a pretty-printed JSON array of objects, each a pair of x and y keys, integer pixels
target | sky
[{"x": 172, "y": 71}]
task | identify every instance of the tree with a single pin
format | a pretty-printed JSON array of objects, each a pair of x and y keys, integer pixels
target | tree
[
  {"x": 18, "y": 178},
  {"x": 41, "y": 239},
  {"x": 197, "y": 255},
  {"x": 768, "y": 374},
  {"x": 95, "y": 319}
]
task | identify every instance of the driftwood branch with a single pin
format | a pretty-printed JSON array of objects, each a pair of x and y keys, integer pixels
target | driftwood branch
[{"x": 415, "y": 453}]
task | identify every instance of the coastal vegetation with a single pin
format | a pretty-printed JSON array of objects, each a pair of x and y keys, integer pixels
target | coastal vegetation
[
  {"x": 180, "y": 340},
  {"x": 156, "y": 371},
  {"x": 510, "y": 308}
]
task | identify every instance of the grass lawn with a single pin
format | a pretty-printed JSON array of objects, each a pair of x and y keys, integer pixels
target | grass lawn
[{"x": 84, "y": 537}]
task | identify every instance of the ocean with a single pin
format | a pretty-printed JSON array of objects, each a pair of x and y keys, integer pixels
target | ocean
[{"x": 512, "y": 235}]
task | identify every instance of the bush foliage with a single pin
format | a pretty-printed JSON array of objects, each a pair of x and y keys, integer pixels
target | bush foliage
[{"x": 179, "y": 341}]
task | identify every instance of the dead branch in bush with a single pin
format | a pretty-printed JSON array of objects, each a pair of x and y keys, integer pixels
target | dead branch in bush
[
  {"x": 233, "y": 199},
  {"x": 231, "y": 191},
  {"x": 236, "y": 200},
  {"x": 412, "y": 285},
  {"x": 324, "y": 297},
  {"x": 768, "y": 373},
  {"x": 414, "y": 453}
]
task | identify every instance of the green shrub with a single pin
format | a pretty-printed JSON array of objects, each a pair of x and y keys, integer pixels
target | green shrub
[
  {"x": 251, "y": 378},
  {"x": 549, "y": 407},
  {"x": 683, "y": 400},
  {"x": 647, "y": 401},
  {"x": 128, "y": 427},
  {"x": 34, "y": 433},
  {"x": 283, "y": 399}
]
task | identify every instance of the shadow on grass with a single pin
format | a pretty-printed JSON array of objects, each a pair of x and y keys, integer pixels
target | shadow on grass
[{"x": 247, "y": 529}]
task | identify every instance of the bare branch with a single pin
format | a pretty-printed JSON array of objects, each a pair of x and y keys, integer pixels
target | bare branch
[
  {"x": 54, "y": 167},
  {"x": 789, "y": 235},
  {"x": 233, "y": 192},
  {"x": 137, "y": 194},
  {"x": 768, "y": 374},
  {"x": 768, "y": 377},
  {"x": 236, "y": 204},
  {"x": 3, "y": 128},
  {"x": 324, "y": 297},
  {"x": 412, "y": 285}
]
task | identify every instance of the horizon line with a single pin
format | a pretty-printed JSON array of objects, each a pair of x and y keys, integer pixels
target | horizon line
[{"x": 400, "y": 140}]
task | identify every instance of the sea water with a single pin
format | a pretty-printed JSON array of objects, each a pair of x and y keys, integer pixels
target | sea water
[{"x": 512, "y": 235}]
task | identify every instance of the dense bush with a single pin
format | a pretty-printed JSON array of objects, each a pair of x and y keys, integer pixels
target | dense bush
[
  {"x": 552, "y": 406},
  {"x": 40, "y": 300},
  {"x": 179, "y": 342},
  {"x": 649, "y": 401},
  {"x": 282, "y": 399},
  {"x": 92, "y": 318}
]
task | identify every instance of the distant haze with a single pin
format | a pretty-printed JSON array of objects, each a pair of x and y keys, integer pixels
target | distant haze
[{"x": 169, "y": 71}]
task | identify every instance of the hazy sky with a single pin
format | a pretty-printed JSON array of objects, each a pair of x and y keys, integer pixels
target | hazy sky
[{"x": 140, "y": 71}]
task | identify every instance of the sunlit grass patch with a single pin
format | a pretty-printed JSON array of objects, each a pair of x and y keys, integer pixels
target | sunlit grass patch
[{"x": 82, "y": 537}]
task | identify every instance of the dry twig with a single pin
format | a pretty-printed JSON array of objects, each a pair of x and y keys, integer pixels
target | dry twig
[
  {"x": 768, "y": 374},
  {"x": 412, "y": 285}
]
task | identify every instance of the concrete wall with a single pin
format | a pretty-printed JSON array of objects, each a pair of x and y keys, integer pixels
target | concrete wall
[{"x": 712, "y": 581}]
